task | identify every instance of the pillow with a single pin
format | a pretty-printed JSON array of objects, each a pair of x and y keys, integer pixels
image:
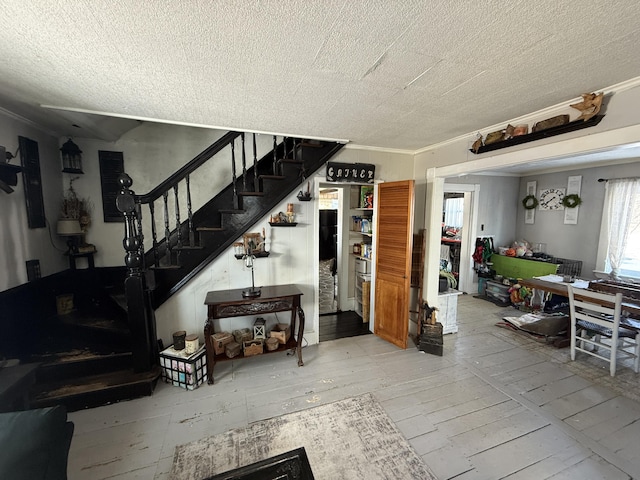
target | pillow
[{"x": 35, "y": 444}]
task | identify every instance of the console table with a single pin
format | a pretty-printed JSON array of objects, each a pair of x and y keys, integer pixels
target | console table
[{"x": 231, "y": 303}]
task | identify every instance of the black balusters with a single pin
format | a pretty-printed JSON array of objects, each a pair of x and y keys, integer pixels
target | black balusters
[
  {"x": 236, "y": 204},
  {"x": 256, "y": 183},
  {"x": 154, "y": 235},
  {"x": 167, "y": 232},
  {"x": 177, "y": 213},
  {"x": 140, "y": 234},
  {"x": 275, "y": 156},
  {"x": 244, "y": 164},
  {"x": 192, "y": 240}
]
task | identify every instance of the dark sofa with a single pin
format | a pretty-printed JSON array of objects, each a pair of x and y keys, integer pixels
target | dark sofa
[{"x": 34, "y": 444}]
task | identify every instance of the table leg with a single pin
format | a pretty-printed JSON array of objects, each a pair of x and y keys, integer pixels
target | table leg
[
  {"x": 211, "y": 356},
  {"x": 300, "y": 335}
]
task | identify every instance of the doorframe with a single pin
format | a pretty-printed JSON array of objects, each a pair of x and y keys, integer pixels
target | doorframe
[
  {"x": 344, "y": 302},
  {"x": 466, "y": 279}
]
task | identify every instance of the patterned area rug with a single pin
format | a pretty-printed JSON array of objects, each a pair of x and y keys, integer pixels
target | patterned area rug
[{"x": 349, "y": 439}]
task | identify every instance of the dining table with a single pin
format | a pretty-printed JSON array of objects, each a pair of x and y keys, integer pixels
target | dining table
[{"x": 556, "y": 285}]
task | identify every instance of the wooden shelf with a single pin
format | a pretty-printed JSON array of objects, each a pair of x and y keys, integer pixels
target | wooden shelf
[
  {"x": 283, "y": 224},
  {"x": 549, "y": 132},
  {"x": 290, "y": 345},
  {"x": 9, "y": 173},
  {"x": 257, "y": 255}
]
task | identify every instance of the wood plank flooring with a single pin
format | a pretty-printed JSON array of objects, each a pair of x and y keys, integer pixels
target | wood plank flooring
[{"x": 496, "y": 405}]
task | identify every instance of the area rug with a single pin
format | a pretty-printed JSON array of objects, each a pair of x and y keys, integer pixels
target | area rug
[{"x": 349, "y": 439}]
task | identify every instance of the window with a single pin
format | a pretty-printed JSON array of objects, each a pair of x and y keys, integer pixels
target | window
[{"x": 619, "y": 248}]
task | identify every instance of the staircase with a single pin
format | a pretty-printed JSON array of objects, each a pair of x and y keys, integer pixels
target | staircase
[{"x": 115, "y": 354}]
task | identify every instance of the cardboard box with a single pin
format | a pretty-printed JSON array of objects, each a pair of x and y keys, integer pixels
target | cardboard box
[{"x": 183, "y": 370}]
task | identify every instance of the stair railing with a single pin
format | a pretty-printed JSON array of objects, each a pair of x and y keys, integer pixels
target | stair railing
[{"x": 165, "y": 254}]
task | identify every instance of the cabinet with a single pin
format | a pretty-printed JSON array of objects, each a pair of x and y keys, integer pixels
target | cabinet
[{"x": 361, "y": 235}]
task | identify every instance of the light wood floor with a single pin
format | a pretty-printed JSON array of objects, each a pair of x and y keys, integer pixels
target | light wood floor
[{"x": 496, "y": 405}]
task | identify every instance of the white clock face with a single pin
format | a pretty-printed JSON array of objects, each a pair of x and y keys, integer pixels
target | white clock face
[{"x": 551, "y": 199}]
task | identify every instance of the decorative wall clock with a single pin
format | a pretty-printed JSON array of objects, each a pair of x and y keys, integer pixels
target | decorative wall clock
[{"x": 551, "y": 199}]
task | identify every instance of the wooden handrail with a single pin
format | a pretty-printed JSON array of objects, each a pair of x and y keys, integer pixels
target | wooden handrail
[{"x": 187, "y": 169}]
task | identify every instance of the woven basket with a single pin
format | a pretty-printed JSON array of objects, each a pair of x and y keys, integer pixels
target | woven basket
[{"x": 272, "y": 344}]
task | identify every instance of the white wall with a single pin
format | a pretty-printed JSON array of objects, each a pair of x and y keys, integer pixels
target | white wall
[
  {"x": 576, "y": 242},
  {"x": 497, "y": 205},
  {"x": 152, "y": 152},
  {"x": 19, "y": 242}
]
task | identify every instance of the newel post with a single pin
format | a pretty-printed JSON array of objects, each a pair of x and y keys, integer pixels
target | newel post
[{"x": 140, "y": 313}]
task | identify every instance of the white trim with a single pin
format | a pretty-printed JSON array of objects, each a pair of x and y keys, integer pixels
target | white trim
[
  {"x": 469, "y": 228},
  {"x": 355, "y": 146},
  {"x": 619, "y": 138},
  {"x": 26, "y": 121},
  {"x": 190, "y": 124}
]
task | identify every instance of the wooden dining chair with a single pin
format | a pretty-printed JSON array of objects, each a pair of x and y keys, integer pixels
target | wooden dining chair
[{"x": 595, "y": 322}]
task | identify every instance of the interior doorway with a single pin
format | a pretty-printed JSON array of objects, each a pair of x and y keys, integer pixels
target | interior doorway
[
  {"x": 460, "y": 209},
  {"x": 328, "y": 247}
]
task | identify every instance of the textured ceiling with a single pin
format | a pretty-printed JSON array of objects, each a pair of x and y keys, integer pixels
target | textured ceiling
[{"x": 395, "y": 74}]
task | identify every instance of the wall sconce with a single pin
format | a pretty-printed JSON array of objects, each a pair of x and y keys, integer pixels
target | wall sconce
[{"x": 71, "y": 157}]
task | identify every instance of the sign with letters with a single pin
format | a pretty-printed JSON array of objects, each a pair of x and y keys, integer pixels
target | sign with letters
[{"x": 350, "y": 172}]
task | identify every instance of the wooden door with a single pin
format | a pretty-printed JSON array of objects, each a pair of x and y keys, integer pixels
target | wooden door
[{"x": 393, "y": 261}]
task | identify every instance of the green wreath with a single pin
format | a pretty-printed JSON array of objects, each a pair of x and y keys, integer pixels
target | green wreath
[
  {"x": 571, "y": 201},
  {"x": 530, "y": 202}
]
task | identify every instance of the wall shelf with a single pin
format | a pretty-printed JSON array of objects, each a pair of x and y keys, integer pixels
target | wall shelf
[
  {"x": 257, "y": 255},
  {"x": 283, "y": 224},
  {"x": 9, "y": 173},
  {"x": 549, "y": 132}
]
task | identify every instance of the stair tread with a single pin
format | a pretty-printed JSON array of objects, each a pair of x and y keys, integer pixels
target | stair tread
[
  {"x": 272, "y": 177},
  {"x": 91, "y": 383},
  {"x": 189, "y": 247},
  {"x": 79, "y": 355},
  {"x": 231, "y": 210},
  {"x": 95, "y": 320},
  {"x": 165, "y": 267},
  {"x": 209, "y": 229},
  {"x": 290, "y": 160},
  {"x": 251, "y": 194}
]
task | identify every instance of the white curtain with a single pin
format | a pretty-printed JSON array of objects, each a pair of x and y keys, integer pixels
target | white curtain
[
  {"x": 620, "y": 204},
  {"x": 453, "y": 210}
]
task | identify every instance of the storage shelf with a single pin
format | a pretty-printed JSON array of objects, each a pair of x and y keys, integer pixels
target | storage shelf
[
  {"x": 549, "y": 132},
  {"x": 283, "y": 224},
  {"x": 291, "y": 344}
]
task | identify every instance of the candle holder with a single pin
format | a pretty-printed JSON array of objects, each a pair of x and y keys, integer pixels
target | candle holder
[{"x": 248, "y": 261}]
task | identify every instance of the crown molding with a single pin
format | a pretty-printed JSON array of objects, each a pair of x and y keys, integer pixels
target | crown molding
[{"x": 354, "y": 146}]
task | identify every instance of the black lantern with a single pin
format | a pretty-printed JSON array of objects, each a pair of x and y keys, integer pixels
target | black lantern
[{"x": 71, "y": 157}]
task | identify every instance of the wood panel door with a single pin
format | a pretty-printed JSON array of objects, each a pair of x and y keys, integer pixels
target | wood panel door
[{"x": 393, "y": 261}]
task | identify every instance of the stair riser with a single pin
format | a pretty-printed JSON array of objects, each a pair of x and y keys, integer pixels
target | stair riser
[
  {"x": 81, "y": 368},
  {"x": 74, "y": 402}
]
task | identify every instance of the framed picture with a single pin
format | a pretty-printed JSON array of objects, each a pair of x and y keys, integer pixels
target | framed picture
[{"x": 253, "y": 241}]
